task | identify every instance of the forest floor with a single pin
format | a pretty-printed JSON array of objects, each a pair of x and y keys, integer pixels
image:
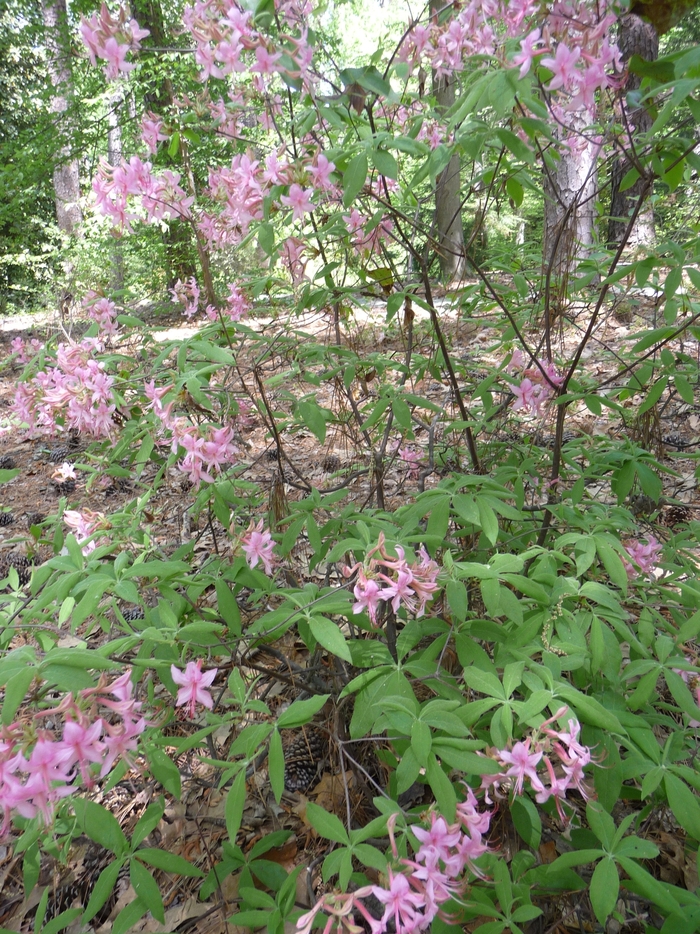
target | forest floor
[{"x": 194, "y": 827}]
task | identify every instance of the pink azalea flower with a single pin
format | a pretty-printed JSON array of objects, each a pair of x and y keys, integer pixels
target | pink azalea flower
[
  {"x": 645, "y": 556},
  {"x": 522, "y": 765},
  {"x": 258, "y": 546},
  {"x": 524, "y": 394},
  {"x": 403, "y": 905},
  {"x": 265, "y": 61},
  {"x": 368, "y": 594},
  {"x": 321, "y": 172},
  {"x": 438, "y": 840},
  {"x": 563, "y": 66},
  {"x": 299, "y": 199},
  {"x": 83, "y": 741},
  {"x": 528, "y": 49},
  {"x": 194, "y": 686}
]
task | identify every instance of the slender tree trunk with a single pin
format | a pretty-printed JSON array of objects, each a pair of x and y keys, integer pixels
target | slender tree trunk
[
  {"x": 636, "y": 37},
  {"x": 570, "y": 188},
  {"x": 66, "y": 175},
  {"x": 448, "y": 191},
  {"x": 114, "y": 157},
  {"x": 179, "y": 246}
]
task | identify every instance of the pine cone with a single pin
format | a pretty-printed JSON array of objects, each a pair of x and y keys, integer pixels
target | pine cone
[
  {"x": 59, "y": 455},
  {"x": 303, "y": 759},
  {"x": 680, "y": 514}
]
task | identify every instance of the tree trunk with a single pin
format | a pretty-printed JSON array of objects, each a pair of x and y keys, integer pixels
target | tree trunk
[
  {"x": 179, "y": 246},
  {"x": 114, "y": 157},
  {"x": 636, "y": 37},
  {"x": 448, "y": 190},
  {"x": 570, "y": 188},
  {"x": 66, "y": 175}
]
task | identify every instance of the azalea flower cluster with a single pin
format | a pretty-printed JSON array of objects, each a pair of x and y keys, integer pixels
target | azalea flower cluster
[
  {"x": 538, "y": 383},
  {"x": 411, "y": 460},
  {"x": 77, "y": 392},
  {"x": 103, "y": 311},
  {"x": 417, "y": 888},
  {"x": 111, "y": 39},
  {"x": 25, "y": 350},
  {"x": 393, "y": 580},
  {"x": 207, "y": 448},
  {"x": 152, "y": 131},
  {"x": 237, "y": 304},
  {"x": 83, "y": 525},
  {"x": 187, "y": 295},
  {"x": 226, "y": 43},
  {"x": 551, "y": 761},
  {"x": 644, "y": 556},
  {"x": 364, "y": 240},
  {"x": 257, "y": 544},
  {"x": 194, "y": 684},
  {"x": 37, "y": 770},
  {"x": 572, "y": 41},
  {"x": 160, "y": 196}
]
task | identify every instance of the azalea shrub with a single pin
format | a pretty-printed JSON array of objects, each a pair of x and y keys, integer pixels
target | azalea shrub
[{"x": 510, "y": 636}]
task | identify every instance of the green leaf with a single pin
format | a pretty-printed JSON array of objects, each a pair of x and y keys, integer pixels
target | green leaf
[
  {"x": 384, "y": 163},
  {"x": 275, "y": 762},
  {"x": 484, "y": 683},
  {"x": 612, "y": 562},
  {"x": 251, "y": 919},
  {"x": 354, "y": 178},
  {"x": 128, "y": 916},
  {"x": 169, "y": 862},
  {"x": 147, "y": 889},
  {"x": 314, "y": 418},
  {"x": 62, "y": 921},
  {"x": 421, "y": 742},
  {"x": 443, "y": 789},
  {"x": 684, "y": 389},
  {"x": 453, "y": 753},
  {"x": 488, "y": 521},
  {"x": 165, "y": 771},
  {"x": 15, "y": 691},
  {"x": 635, "y": 848},
  {"x": 102, "y": 889},
  {"x": 526, "y": 820},
  {"x": 604, "y": 889},
  {"x": 517, "y": 146},
  {"x": 148, "y": 821},
  {"x": 266, "y": 238},
  {"x": 41, "y": 909},
  {"x": 649, "y": 887},
  {"x": 301, "y": 712},
  {"x": 600, "y": 822},
  {"x": 100, "y": 825},
  {"x": 326, "y": 825},
  {"x": 330, "y": 637},
  {"x": 457, "y": 599},
  {"x": 684, "y": 804},
  {"x": 235, "y": 802},
  {"x": 589, "y": 710}
]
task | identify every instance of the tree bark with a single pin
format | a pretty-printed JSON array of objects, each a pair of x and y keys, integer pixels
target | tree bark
[
  {"x": 448, "y": 191},
  {"x": 636, "y": 37},
  {"x": 114, "y": 157},
  {"x": 66, "y": 173},
  {"x": 179, "y": 246},
  {"x": 570, "y": 188}
]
